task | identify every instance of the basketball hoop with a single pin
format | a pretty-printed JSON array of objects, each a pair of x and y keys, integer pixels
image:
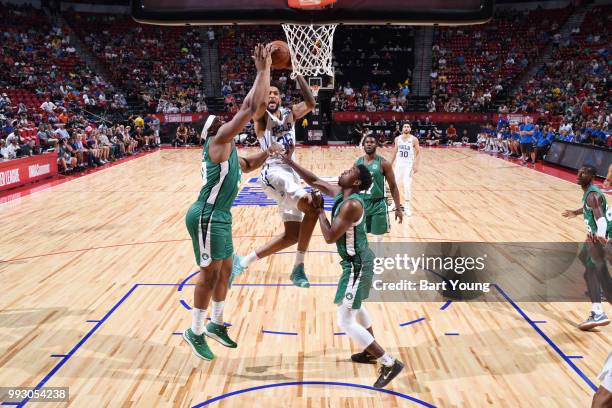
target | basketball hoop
[{"x": 311, "y": 48}]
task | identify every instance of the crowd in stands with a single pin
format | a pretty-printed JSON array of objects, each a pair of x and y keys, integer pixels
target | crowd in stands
[
  {"x": 530, "y": 141},
  {"x": 160, "y": 65},
  {"x": 471, "y": 65},
  {"x": 575, "y": 84},
  {"x": 39, "y": 64}
]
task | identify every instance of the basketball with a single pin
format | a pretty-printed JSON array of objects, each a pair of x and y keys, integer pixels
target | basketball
[{"x": 281, "y": 59}]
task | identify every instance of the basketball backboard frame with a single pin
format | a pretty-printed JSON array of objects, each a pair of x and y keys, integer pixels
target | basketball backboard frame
[{"x": 330, "y": 15}]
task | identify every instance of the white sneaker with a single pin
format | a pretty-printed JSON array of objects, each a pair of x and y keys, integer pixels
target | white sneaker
[
  {"x": 594, "y": 320},
  {"x": 407, "y": 211}
]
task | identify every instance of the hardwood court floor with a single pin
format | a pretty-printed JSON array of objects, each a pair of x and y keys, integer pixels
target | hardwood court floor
[{"x": 80, "y": 260}]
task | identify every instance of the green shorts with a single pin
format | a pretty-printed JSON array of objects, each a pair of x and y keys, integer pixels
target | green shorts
[
  {"x": 211, "y": 233},
  {"x": 356, "y": 280},
  {"x": 377, "y": 217}
]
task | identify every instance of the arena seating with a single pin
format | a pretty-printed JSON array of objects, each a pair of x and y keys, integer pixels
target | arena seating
[
  {"x": 161, "y": 65},
  {"x": 471, "y": 64}
]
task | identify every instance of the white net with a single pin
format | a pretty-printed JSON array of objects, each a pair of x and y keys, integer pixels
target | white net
[{"x": 311, "y": 48}]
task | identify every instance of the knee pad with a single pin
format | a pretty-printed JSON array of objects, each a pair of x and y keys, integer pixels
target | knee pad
[{"x": 347, "y": 320}]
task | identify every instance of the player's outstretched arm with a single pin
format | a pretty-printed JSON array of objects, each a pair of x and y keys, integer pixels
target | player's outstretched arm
[
  {"x": 390, "y": 177},
  {"x": 255, "y": 161},
  {"x": 302, "y": 109},
  {"x": 350, "y": 212},
  {"x": 572, "y": 213},
  {"x": 254, "y": 98},
  {"x": 309, "y": 177}
]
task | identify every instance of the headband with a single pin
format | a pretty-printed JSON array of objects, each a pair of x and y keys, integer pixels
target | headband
[{"x": 209, "y": 121}]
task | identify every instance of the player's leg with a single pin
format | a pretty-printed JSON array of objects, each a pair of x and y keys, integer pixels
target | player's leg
[
  {"x": 353, "y": 288},
  {"x": 407, "y": 182},
  {"x": 603, "y": 396},
  {"x": 596, "y": 269},
  {"x": 377, "y": 219},
  {"x": 299, "y": 216},
  {"x": 200, "y": 225},
  {"x": 202, "y": 294},
  {"x": 216, "y": 329}
]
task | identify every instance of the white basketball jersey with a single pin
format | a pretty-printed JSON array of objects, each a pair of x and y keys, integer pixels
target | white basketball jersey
[
  {"x": 281, "y": 131},
  {"x": 405, "y": 152}
]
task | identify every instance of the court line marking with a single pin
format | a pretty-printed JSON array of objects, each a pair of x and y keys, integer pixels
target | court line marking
[
  {"x": 551, "y": 343},
  {"x": 300, "y": 383},
  {"x": 420, "y": 319},
  {"x": 114, "y": 308},
  {"x": 279, "y": 332},
  {"x": 447, "y": 304}
]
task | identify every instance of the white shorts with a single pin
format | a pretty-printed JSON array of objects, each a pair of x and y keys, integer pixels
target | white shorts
[
  {"x": 403, "y": 173},
  {"x": 283, "y": 185},
  {"x": 606, "y": 374}
]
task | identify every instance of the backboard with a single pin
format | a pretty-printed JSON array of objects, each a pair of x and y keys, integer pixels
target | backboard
[{"x": 211, "y": 12}]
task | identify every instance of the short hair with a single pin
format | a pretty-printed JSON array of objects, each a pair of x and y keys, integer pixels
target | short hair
[
  {"x": 590, "y": 168},
  {"x": 364, "y": 176},
  {"x": 277, "y": 85},
  {"x": 371, "y": 135}
]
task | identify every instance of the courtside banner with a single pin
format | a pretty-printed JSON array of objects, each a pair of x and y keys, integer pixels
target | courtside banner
[
  {"x": 476, "y": 271},
  {"x": 15, "y": 173}
]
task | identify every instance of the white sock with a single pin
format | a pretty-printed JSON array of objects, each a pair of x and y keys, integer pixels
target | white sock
[
  {"x": 386, "y": 360},
  {"x": 197, "y": 321},
  {"x": 216, "y": 315},
  {"x": 596, "y": 308},
  {"x": 299, "y": 258},
  {"x": 249, "y": 259}
]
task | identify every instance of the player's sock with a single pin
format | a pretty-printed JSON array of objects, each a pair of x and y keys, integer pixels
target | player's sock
[
  {"x": 596, "y": 308},
  {"x": 386, "y": 360},
  {"x": 299, "y": 258},
  {"x": 249, "y": 259},
  {"x": 197, "y": 320},
  {"x": 379, "y": 238},
  {"x": 217, "y": 312}
]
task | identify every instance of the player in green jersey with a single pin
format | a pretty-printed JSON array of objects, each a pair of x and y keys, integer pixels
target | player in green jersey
[
  {"x": 377, "y": 220},
  {"x": 598, "y": 220},
  {"x": 348, "y": 230},
  {"x": 209, "y": 219}
]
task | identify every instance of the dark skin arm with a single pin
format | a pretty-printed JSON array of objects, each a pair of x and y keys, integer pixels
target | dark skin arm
[
  {"x": 594, "y": 202},
  {"x": 390, "y": 177},
  {"x": 309, "y": 177},
  {"x": 220, "y": 145},
  {"x": 350, "y": 212},
  {"x": 301, "y": 109},
  {"x": 254, "y": 161}
]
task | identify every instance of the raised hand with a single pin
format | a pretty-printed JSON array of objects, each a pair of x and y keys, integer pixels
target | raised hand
[{"x": 261, "y": 57}]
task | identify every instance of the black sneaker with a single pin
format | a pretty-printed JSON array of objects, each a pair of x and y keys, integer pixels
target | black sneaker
[
  {"x": 388, "y": 373},
  {"x": 364, "y": 357}
]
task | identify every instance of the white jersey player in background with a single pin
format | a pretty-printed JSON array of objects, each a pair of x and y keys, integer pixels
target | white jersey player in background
[
  {"x": 297, "y": 208},
  {"x": 405, "y": 160}
]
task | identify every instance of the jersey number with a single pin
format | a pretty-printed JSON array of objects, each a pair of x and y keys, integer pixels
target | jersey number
[
  {"x": 404, "y": 153},
  {"x": 284, "y": 140}
]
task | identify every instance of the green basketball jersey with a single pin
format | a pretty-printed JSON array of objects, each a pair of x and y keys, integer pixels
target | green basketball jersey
[
  {"x": 355, "y": 239},
  {"x": 587, "y": 212},
  {"x": 377, "y": 190},
  {"x": 220, "y": 181}
]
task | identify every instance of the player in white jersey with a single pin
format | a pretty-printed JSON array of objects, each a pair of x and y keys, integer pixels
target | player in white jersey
[
  {"x": 405, "y": 161},
  {"x": 281, "y": 183},
  {"x": 603, "y": 396}
]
